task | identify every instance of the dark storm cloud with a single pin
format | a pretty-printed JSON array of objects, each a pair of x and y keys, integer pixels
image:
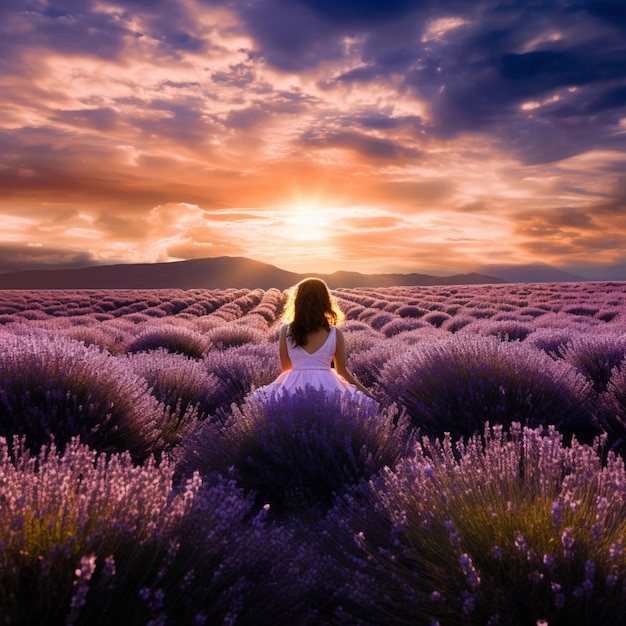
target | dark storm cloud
[
  {"x": 474, "y": 77},
  {"x": 17, "y": 257},
  {"x": 547, "y": 79},
  {"x": 613, "y": 12},
  {"x": 84, "y": 29},
  {"x": 609, "y": 99},
  {"x": 360, "y": 11},
  {"x": 290, "y": 37},
  {"x": 68, "y": 28},
  {"x": 484, "y": 81},
  {"x": 479, "y": 90},
  {"x": 298, "y": 35}
]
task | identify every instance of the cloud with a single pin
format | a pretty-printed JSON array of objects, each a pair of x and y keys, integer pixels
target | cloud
[
  {"x": 613, "y": 12},
  {"x": 269, "y": 109},
  {"x": 367, "y": 146},
  {"x": 17, "y": 257},
  {"x": 519, "y": 74},
  {"x": 290, "y": 36},
  {"x": 596, "y": 233},
  {"x": 531, "y": 98},
  {"x": 357, "y": 12},
  {"x": 423, "y": 192},
  {"x": 96, "y": 119}
]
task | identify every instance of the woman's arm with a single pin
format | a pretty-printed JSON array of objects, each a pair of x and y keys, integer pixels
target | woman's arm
[
  {"x": 285, "y": 361},
  {"x": 340, "y": 364}
]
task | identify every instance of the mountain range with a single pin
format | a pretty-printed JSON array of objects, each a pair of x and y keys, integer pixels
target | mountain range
[
  {"x": 240, "y": 272},
  {"x": 531, "y": 273},
  {"x": 214, "y": 273}
]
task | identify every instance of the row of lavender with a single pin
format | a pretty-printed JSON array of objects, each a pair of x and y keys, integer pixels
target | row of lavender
[{"x": 210, "y": 508}]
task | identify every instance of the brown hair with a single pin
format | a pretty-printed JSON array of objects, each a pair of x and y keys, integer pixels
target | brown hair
[{"x": 309, "y": 307}]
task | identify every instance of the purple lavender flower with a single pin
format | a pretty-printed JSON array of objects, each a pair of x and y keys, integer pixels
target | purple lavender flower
[
  {"x": 568, "y": 541},
  {"x": 238, "y": 371},
  {"x": 59, "y": 388},
  {"x": 456, "y": 385},
  {"x": 141, "y": 536},
  {"x": 171, "y": 338},
  {"x": 299, "y": 450}
]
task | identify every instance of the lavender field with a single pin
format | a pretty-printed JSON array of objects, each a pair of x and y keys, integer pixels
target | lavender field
[{"x": 139, "y": 484}]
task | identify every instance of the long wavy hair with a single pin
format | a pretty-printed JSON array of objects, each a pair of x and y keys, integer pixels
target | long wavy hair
[{"x": 309, "y": 307}]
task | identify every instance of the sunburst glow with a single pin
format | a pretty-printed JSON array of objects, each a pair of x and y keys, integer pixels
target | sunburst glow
[{"x": 310, "y": 222}]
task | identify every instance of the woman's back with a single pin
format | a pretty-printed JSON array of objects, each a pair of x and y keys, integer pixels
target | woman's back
[
  {"x": 315, "y": 339},
  {"x": 316, "y": 354}
]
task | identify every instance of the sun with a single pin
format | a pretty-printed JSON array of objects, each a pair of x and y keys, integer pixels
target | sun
[{"x": 308, "y": 221}]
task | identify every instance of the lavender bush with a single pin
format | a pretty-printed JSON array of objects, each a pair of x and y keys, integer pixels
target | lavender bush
[
  {"x": 507, "y": 330},
  {"x": 458, "y": 322},
  {"x": 378, "y": 321},
  {"x": 612, "y": 412},
  {"x": 508, "y": 529},
  {"x": 239, "y": 370},
  {"x": 77, "y": 551},
  {"x": 297, "y": 451},
  {"x": 552, "y": 341},
  {"x": 172, "y": 338},
  {"x": 270, "y": 306},
  {"x": 608, "y": 314},
  {"x": 232, "y": 334},
  {"x": 105, "y": 338},
  {"x": 367, "y": 365},
  {"x": 411, "y": 311},
  {"x": 459, "y": 384},
  {"x": 436, "y": 318},
  {"x": 400, "y": 325},
  {"x": 182, "y": 385},
  {"x": 580, "y": 309},
  {"x": 56, "y": 387},
  {"x": 359, "y": 336},
  {"x": 595, "y": 356}
]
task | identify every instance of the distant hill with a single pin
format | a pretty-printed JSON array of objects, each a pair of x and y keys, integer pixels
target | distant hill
[
  {"x": 213, "y": 273},
  {"x": 615, "y": 271},
  {"x": 355, "y": 279},
  {"x": 530, "y": 273}
]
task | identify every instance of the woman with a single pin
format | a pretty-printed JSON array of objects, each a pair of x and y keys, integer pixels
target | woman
[{"x": 310, "y": 343}]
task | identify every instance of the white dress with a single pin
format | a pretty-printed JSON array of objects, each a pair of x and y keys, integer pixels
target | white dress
[{"x": 311, "y": 369}]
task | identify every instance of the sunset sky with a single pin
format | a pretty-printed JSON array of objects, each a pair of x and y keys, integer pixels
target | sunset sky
[{"x": 431, "y": 136}]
